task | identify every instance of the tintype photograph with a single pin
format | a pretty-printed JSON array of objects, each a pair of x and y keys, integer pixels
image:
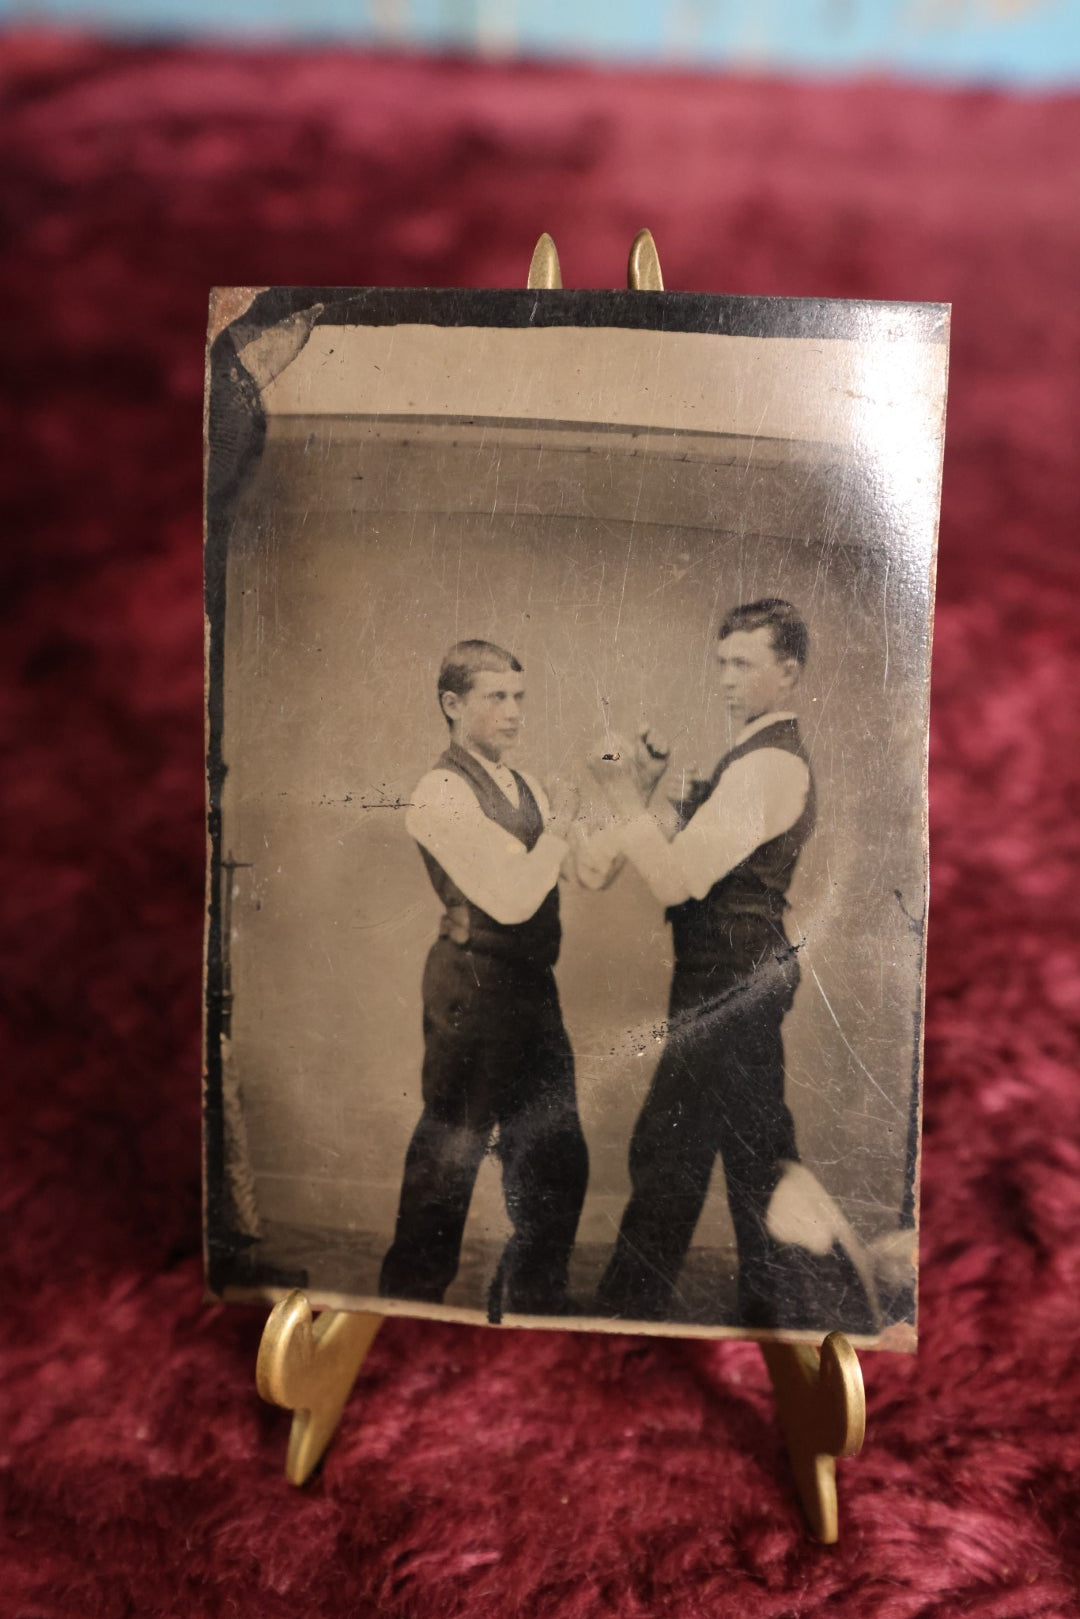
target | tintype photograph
[{"x": 568, "y": 679}]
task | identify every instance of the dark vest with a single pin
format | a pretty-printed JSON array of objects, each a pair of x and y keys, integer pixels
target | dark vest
[
  {"x": 535, "y": 942},
  {"x": 757, "y": 888}
]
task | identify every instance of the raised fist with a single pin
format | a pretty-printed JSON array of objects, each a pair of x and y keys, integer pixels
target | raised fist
[{"x": 650, "y": 759}]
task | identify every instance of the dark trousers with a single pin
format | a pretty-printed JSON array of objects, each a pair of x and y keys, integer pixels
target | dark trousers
[
  {"x": 718, "y": 1088},
  {"x": 496, "y": 1055}
]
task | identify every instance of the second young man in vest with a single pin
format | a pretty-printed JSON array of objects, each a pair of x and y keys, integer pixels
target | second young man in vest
[
  {"x": 721, "y": 862},
  {"x": 496, "y": 1054}
]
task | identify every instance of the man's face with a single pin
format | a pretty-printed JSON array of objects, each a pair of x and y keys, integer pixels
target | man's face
[
  {"x": 489, "y": 717},
  {"x": 753, "y": 679}
]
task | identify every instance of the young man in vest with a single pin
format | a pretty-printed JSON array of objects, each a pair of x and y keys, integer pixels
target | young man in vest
[
  {"x": 496, "y": 1054},
  {"x": 721, "y": 862}
]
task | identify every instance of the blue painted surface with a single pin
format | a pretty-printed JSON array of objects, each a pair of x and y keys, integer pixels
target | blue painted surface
[{"x": 1026, "y": 42}]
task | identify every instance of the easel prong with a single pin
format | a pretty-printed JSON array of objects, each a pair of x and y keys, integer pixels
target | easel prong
[
  {"x": 309, "y": 1367},
  {"x": 643, "y": 268},
  {"x": 544, "y": 269},
  {"x": 822, "y": 1406}
]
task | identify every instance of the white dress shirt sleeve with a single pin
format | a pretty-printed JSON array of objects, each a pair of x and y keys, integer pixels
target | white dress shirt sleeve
[
  {"x": 492, "y": 868},
  {"x": 757, "y": 798}
]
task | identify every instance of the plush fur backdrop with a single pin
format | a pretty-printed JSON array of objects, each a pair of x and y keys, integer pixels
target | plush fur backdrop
[{"x": 480, "y": 1473}]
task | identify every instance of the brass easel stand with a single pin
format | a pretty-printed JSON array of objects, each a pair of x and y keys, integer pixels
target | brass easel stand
[{"x": 309, "y": 1367}]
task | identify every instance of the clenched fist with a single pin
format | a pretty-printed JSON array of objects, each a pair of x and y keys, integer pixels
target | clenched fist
[{"x": 651, "y": 757}]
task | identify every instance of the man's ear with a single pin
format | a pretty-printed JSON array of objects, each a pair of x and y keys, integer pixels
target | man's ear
[
  {"x": 450, "y": 703},
  {"x": 791, "y": 673}
]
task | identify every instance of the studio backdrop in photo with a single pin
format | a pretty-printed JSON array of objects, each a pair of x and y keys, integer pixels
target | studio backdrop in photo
[{"x": 492, "y": 1473}]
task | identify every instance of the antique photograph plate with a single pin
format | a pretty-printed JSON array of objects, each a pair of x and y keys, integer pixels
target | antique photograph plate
[{"x": 568, "y": 675}]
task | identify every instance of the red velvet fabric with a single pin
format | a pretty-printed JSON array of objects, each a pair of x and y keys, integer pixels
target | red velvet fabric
[{"x": 496, "y": 1473}]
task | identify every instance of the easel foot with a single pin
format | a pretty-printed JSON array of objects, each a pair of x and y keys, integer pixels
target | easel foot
[
  {"x": 309, "y": 1367},
  {"x": 822, "y": 1405}
]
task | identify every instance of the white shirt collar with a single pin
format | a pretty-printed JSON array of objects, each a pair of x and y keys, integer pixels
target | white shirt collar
[
  {"x": 500, "y": 774},
  {"x": 759, "y": 725}
]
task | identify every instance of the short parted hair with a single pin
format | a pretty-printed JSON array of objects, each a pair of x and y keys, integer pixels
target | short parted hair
[
  {"x": 467, "y": 659},
  {"x": 790, "y": 636}
]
